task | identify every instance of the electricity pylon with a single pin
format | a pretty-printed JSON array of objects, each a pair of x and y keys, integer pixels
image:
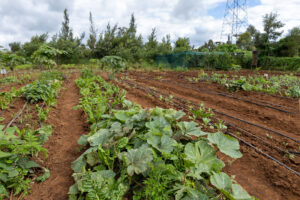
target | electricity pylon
[{"x": 235, "y": 19}]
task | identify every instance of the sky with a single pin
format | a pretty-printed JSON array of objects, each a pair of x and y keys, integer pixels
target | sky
[{"x": 200, "y": 20}]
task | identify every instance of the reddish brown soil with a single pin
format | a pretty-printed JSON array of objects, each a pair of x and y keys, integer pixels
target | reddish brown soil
[
  {"x": 260, "y": 176},
  {"x": 68, "y": 125}
]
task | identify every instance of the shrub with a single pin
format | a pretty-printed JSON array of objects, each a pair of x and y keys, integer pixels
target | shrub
[{"x": 280, "y": 63}]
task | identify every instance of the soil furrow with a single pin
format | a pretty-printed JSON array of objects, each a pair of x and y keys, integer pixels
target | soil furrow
[{"x": 68, "y": 125}]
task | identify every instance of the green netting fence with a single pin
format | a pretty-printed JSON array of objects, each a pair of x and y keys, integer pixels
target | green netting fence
[{"x": 186, "y": 59}]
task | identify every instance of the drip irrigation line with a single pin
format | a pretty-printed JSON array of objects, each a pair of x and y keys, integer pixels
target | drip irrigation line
[
  {"x": 239, "y": 120},
  {"x": 263, "y": 153},
  {"x": 257, "y": 125},
  {"x": 257, "y": 137},
  {"x": 245, "y": 142},
  {"x": 228, "y": 96},
  {"x": 16, "y": 117}
]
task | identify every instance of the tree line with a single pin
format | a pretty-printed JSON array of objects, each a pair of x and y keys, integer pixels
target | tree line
[{"x": 126, "y": 43}]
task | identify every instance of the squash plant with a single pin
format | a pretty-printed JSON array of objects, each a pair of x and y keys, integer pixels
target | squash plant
[{"x": 136, "y": 153}]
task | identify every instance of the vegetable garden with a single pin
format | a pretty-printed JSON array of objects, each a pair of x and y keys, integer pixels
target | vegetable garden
[{"x": 149, "y": 135}]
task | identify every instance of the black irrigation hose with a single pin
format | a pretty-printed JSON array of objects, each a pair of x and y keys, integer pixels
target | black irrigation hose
[
  {"x": 229, "y": 96},
  {"x": 259, "y": 126},
  {"x": 259, "y": 138},
  {"x": 252, "y": 146},
  {"x": 263, "y": 153}
]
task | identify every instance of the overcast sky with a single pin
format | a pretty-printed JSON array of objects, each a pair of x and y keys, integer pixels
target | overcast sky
[{"x": 198, "y": 19}]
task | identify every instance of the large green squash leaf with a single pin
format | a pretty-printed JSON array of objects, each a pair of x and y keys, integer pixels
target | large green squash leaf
[
  {"x": 138, "y": 160},
  {"x": 227, "y": 144},
  {"x": 159, "y": 126},
  {"x": 100, "y": 137},
  {"x": 221, "y": 181},
  {"x": 203, "y": 157},
  {"x": 190, "y": 128}
]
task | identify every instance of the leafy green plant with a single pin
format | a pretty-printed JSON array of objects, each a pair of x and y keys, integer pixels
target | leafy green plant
[
  {"x": 44, "y": 56},
  {"x": 42, "y": 91},
  {"x": 146, "y": 154},
  {"x": 17, "y": 150}
]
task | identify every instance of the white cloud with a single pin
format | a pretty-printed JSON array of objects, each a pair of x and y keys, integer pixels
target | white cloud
[
  {"x": 288, "y": 13},
  {"x": 21, "y": 19}
]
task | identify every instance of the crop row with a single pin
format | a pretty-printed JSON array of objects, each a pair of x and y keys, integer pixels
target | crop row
[
  {"x": 285, "y": 85},
  {"x": 147, "y": 154},
  {"x": 20, "y": 148}
]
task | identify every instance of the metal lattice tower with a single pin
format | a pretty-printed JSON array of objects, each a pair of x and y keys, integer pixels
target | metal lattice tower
[{"x": 235, "y": 19}]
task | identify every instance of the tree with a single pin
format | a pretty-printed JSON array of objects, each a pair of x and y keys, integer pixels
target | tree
[
  {"x": 45, "y": 55},
  {"x": 271, "y": 25},
  {"x": 15, "y": 46},
  {"x": 151, "y": 46},
  {"x": 132, "y": 27},
  {"x": 36, "y": 41},
  {"x": 66, "y": 32},
  {"x": 182, "y": 44},
  {"x": 289, "y": 45},
  {"x": 93, "y": 35},
  {"x": 244, "y": 41},
  {"x": 65, "y": 41},
  {"x": 11, "y": 60},
  {"x": 165, "y": 46}
]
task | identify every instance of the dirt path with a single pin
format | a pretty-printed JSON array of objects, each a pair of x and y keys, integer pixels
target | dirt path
[{"x": 68, "y": 125}]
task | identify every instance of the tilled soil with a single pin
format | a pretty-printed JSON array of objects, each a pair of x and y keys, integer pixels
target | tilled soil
[
  {"x": 260, "y": 176},
  {"x": 68, "y": 125}
]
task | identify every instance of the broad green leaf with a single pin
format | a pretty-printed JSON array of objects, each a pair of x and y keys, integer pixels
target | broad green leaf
[
  {"x": 221, "y": 181},
  {"x": 80, "y": 162},
  {"x": 164, "y": 144},
  {"x": 30, "y": 164},
  {"x": 44, "y": 177},
  {"x": 13, "y": 173},
  {"x": 4, "y": 154},
  {"x": 73, "y": 190},
  {"x": 159, "y": 126},
  {"x": 138, "y": 159},
  {"x": 226, "y": 144},
  {"x": 83, "y": 140},
  {"x": 3, "y": 192},
  {"x": 92, "y": 158},
  {"x": 190, "y": 128},
  {"x": 239, "y": 193},
  {"x": 100, "y": 137},
  {"x": 44, "y": 133},
  {"x": 203, "y": 157}
]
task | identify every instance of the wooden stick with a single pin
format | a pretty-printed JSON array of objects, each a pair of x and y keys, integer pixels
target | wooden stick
[{"x": 16, "y": 117}]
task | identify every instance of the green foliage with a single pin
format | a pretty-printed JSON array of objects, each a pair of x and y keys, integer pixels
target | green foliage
[
  {"x": 149, "y": 154},
  {"x": 232, "y": 191},
  {"x": 7, "y": 97},
  {"x": 45, "y": 55},
  {"x": 287, "y": 85},
  {"x": 8, "y": 79},
  {"x": 45, "y": 91},
  {"x": 17, "y": 150},
  {"x": 281, "y": 63},
  {"x": 11, "y": 60},
  {"x": 223, "y": 61},
  {"x": 182, "y": 44}
]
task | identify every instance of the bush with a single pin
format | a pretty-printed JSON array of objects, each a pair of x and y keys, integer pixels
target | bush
[
  {"x": 218, "y": 61},
  {"x": 244, "y": 59},
  {"x": 280, "y": 63}
]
